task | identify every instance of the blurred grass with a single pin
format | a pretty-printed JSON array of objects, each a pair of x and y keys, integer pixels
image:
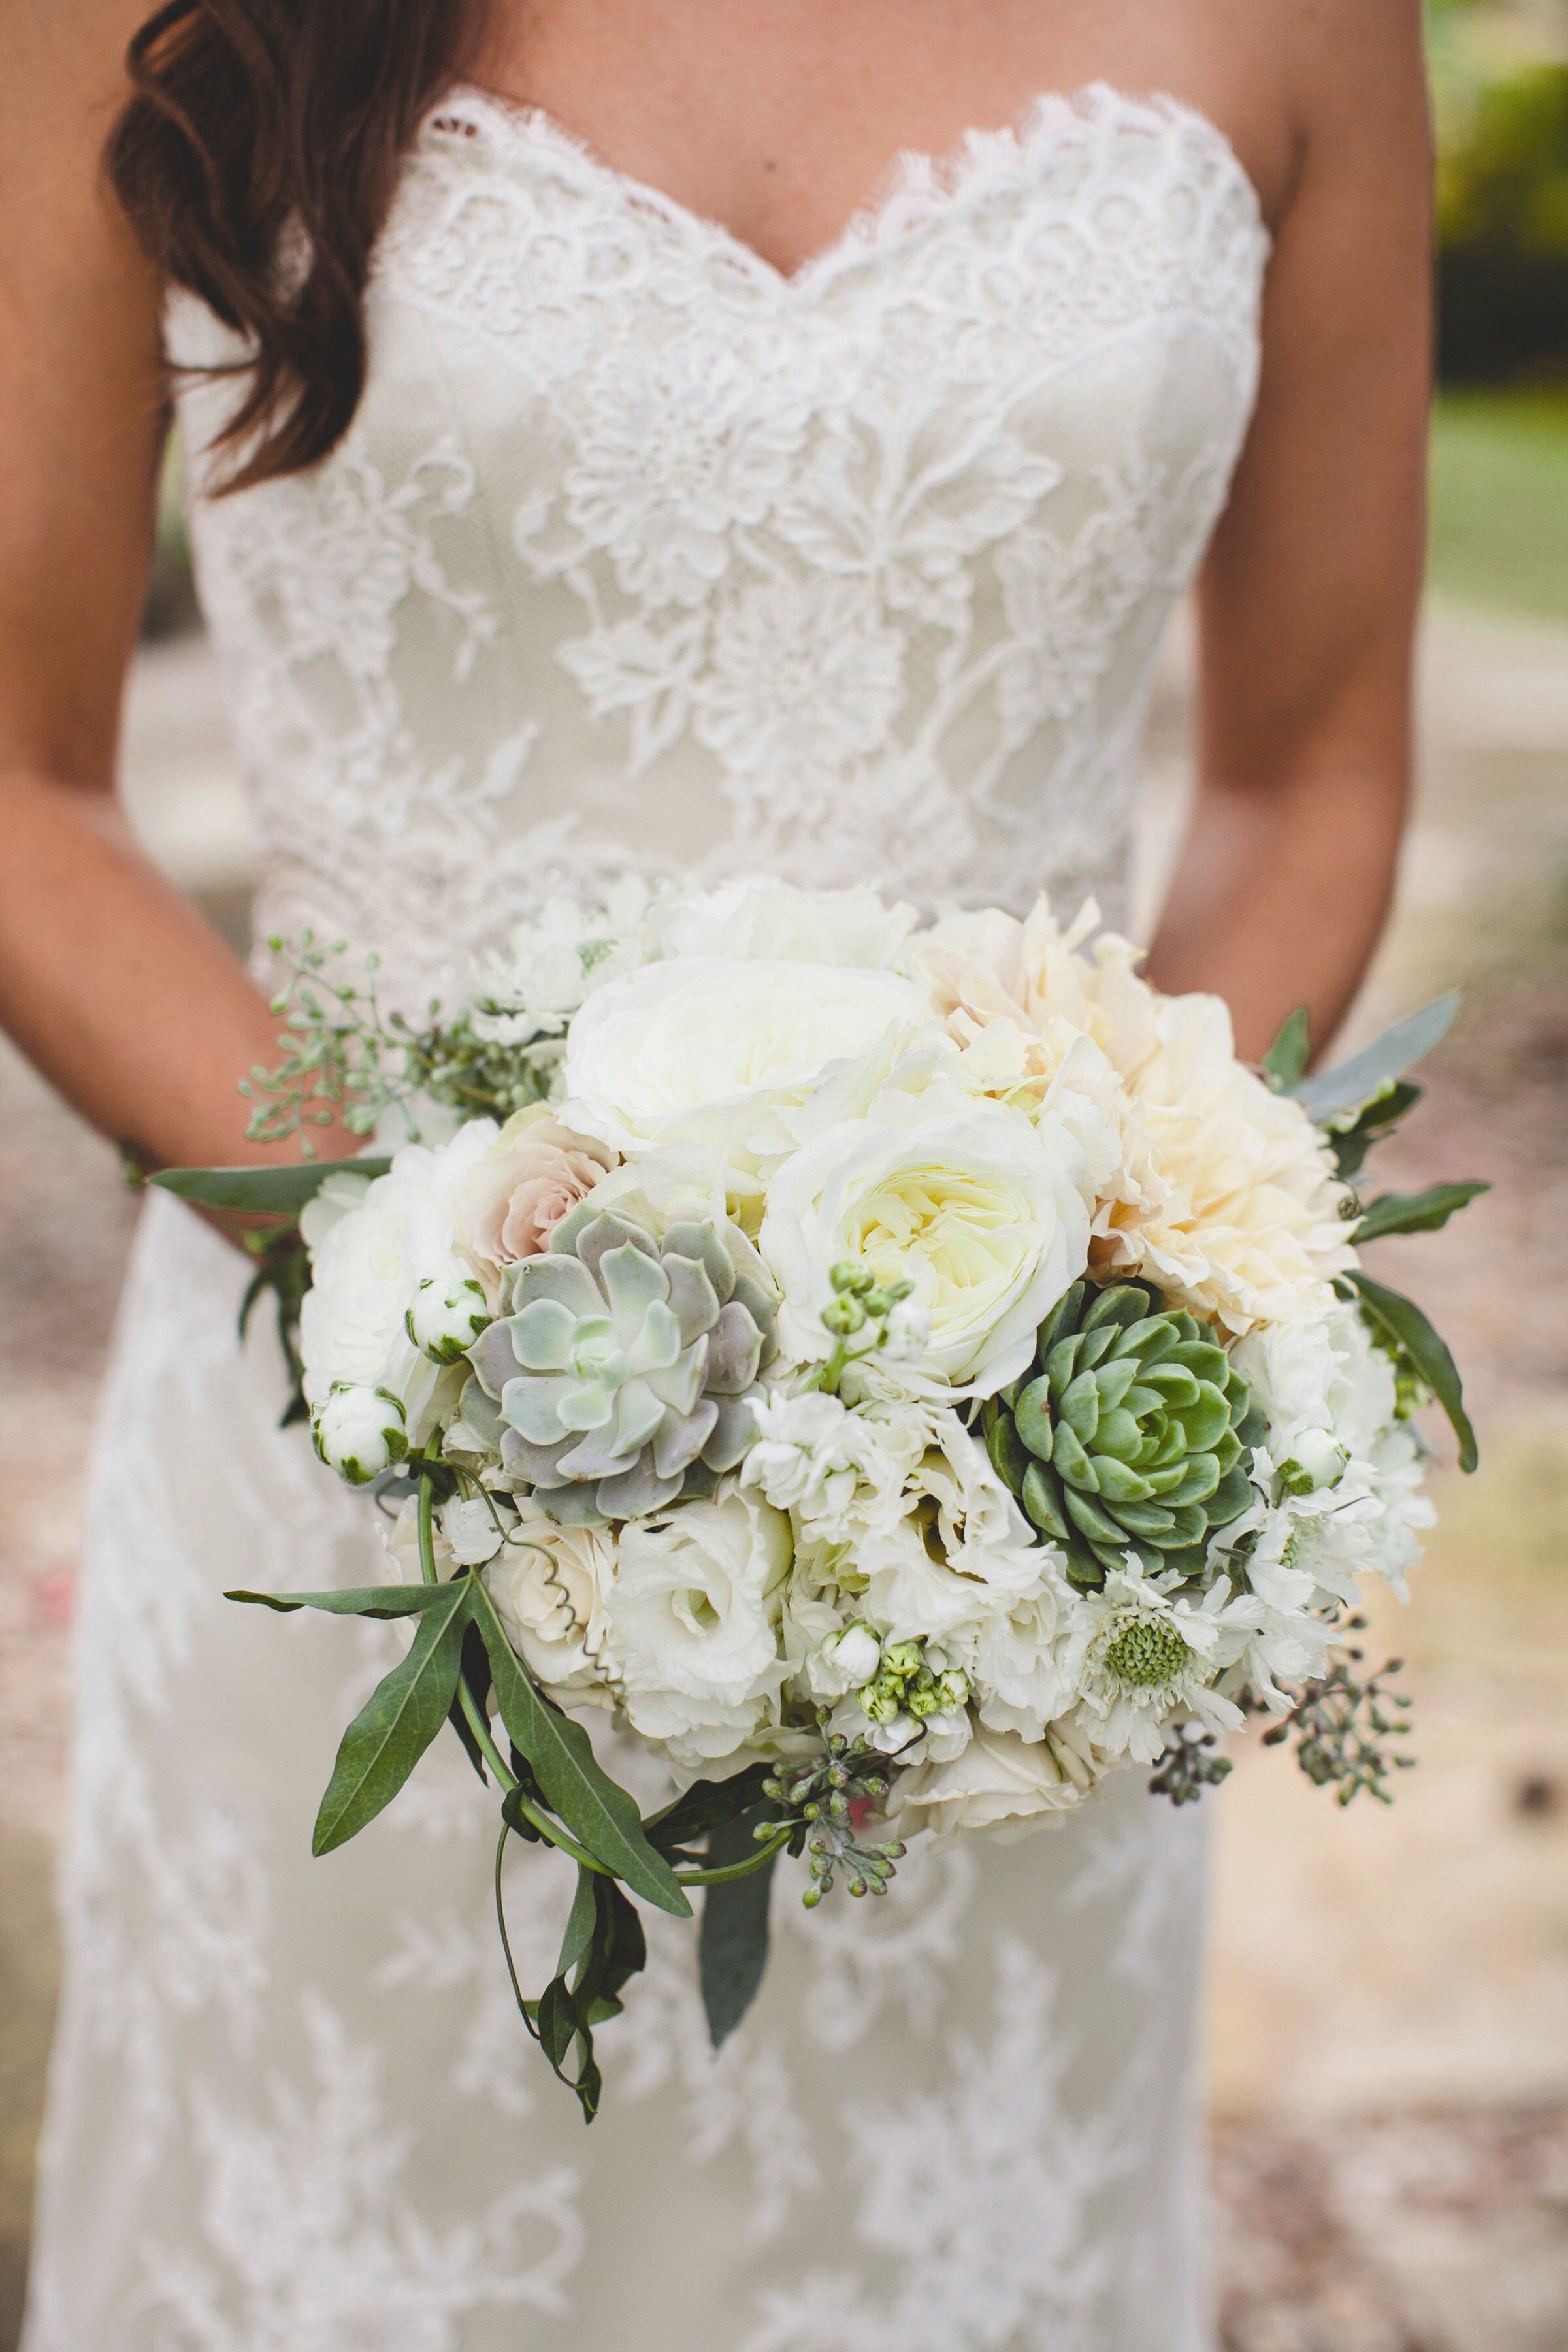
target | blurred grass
[{"x": 1500, "y": 500}]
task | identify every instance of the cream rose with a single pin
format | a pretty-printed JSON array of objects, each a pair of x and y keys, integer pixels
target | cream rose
[
  {"x": 979, "y": 1209},
  {"x": 512, "y": 1200},
  {"x": 1000, "y": 1783},
  {"x": 705, "y": 1048}
]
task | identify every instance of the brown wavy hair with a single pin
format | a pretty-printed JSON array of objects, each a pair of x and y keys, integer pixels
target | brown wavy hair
[{"x": 251, "y": 122}]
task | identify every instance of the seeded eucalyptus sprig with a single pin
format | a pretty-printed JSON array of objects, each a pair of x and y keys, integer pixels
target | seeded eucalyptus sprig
[
  {"x": 814, "y": 1802},
  {"x": 1343, "y": 1725}
]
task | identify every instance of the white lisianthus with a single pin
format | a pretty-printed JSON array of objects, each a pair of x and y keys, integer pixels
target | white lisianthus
[
  {"x": 549, "y": 1584},
  {"x": 999, "y": 1784},
  {"x": 767, "y": 921},
  {"x": 369, "y": 1255},
  {"x": 360, "y": 1433},
  {"x": 692, "y": 1624},
  {"x": 704, "y": 1049},
  {"x": 978, "y": 1208}
]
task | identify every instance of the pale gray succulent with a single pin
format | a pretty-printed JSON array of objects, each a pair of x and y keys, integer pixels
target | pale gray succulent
[{"x": 619, "y": 1373}]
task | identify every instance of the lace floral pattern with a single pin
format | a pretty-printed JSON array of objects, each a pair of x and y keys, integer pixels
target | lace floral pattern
[{"x": 645, "y": 557}]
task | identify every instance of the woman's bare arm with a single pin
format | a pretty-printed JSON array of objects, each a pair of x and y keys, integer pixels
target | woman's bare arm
[
  {"x": 1310, "y": 594},
  {"x": 109, "y": 980}
]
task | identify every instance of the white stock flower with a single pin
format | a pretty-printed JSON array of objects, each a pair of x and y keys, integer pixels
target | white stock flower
[
  {"x": 372, "y": 1246},
  {"x": 757, "y": 918},
  {"x": 549, "y": 1584},
  {"x": 706, "y": 1048},
  {"x": 952, "y": 1548},
  {"x": 1000, "y": 1784},
  {"x": 1014, "y": 1656},
  {"x": 555, "y": 961},
  {"x": 977, "y": 1207},
  {"x": 831, "y": 1467},
  {"x": 692, "y": 1620}
]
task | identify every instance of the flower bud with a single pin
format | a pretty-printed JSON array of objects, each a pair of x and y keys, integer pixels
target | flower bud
[
  {"x": 445, "y": 1320},
  {"x": 856, "y": 1653},
  {"x": 843, "y": 1316},
  {"x": 1317, "y": 1460},
  {"x": 360, "y": 1433}
]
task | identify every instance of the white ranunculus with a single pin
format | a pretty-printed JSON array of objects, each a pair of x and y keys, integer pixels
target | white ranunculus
[
  {"x": 549, "y": 1584},
  {"x": 692, "y": 1624},
  {"x": 1000, "y": 1784},
  {"x": 767, "y": 920},
  {"x": 369, "y": 1256},
  {"x": 977, "y": 1207},
  {"x": 706, "y": 1048},
  {"x": 360, "y": 1433}
]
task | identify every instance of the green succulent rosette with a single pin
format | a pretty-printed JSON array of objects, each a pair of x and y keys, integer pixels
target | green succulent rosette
[{"x": 1130, "y": 1432}]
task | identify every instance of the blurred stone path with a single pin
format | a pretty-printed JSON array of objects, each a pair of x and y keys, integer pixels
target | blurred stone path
[{"x": 1389, "y": 2021}]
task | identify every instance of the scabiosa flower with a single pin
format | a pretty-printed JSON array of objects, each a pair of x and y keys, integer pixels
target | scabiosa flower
[{"x": 1142, "y": 1656}]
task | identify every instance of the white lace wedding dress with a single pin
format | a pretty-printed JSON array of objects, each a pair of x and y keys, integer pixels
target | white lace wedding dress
[{"x": 641, "y": 558}]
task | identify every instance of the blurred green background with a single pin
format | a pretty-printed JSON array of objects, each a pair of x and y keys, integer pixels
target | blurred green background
[{"x": 1499, "y": 459}]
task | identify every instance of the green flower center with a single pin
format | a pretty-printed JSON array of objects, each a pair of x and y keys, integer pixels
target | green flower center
[{"x": 1147, "y": 1654}]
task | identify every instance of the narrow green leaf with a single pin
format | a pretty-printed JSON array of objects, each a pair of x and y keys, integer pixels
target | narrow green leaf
[
  {"x": 1415, "y": 1212},
  {"x": 599, "y": 1812},
  {"x": 363, "y": 1601},
  {"x": 1286, "y": 1061},
  {"x": 396, "y": 1724},
  {"x": 1379, "y": 1065},
  {"x": 582, "y": 1926},
  {"x": 732, "y": 1946},
  {"x": 1351, "y": 1143},
  {"x": 1401, "y": 1320},
  {"x": 280, "y": 1192}
]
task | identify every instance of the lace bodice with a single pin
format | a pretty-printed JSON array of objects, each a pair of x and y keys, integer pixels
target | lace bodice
[{"x": 643, "y": 556}]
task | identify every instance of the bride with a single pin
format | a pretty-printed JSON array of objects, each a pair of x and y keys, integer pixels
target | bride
[{"x": 632, "y": 437}]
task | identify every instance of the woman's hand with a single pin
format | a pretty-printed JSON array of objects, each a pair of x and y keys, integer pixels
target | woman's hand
[
  {"x": 110, "y": 982},
  {"x": 1310, "y": 594}
]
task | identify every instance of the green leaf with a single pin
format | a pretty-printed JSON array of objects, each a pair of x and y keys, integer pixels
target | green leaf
[
  {"x": 1285, "y": 1063},
  {"x": 392, "y": 1731},
  {"x": 363, "y": 1601},
  {"x": 1401, "y": 1320},
  {"x": 599, "y": 1812},
  {"x": 733, "y": 1945},
  {"x": 1415, "y": 1212},
  {"x": 1350, "y": 1145},
  {"x": 707, "y": 1805},
  {"x": 1378, "y": 1066},
  {"x": 261, "y": 1192}
]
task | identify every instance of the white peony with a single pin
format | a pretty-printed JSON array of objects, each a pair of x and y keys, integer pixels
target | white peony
[
  {"x": 705, "y": 1049},
  {"x": 1000, "y": 1783},
  {"x": 550, "y": 1585},
  {"x": 976, "y": 1206},
  {"x": 372, "y": 1246},
  {"x": 692, "y": 1624},
  {"x": 768, "y": 921}
]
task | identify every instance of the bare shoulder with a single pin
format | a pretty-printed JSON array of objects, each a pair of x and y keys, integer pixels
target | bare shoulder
[
  {"x": 1355, "y": 75},
  {"x": 64, "y": 77}
]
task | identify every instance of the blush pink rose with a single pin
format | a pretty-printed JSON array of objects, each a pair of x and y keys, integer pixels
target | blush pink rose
[{"x": 512, "y": 1200}]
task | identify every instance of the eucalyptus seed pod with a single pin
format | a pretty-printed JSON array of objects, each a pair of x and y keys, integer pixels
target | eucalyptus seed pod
[{"x": 1128, "y": 1434}]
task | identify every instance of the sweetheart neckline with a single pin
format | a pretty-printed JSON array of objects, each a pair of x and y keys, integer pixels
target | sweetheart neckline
[{"x": 866, "y": 231}]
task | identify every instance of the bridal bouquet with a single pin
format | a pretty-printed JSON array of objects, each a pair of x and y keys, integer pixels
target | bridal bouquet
[{"x": 899, "y": 1375}]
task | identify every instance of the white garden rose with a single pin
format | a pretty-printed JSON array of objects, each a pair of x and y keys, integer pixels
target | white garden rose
[
  {"x": 1000, "y": 1784},
  {"x": 549, "y": 1584},
  {"x": 372, "y": 1247},
  {"x": 692, "y": 1624},
  {"x": 979, "y": 1208},
  {"x": 706, "y": 1048},
  {"x": 767, "y": 920}
]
